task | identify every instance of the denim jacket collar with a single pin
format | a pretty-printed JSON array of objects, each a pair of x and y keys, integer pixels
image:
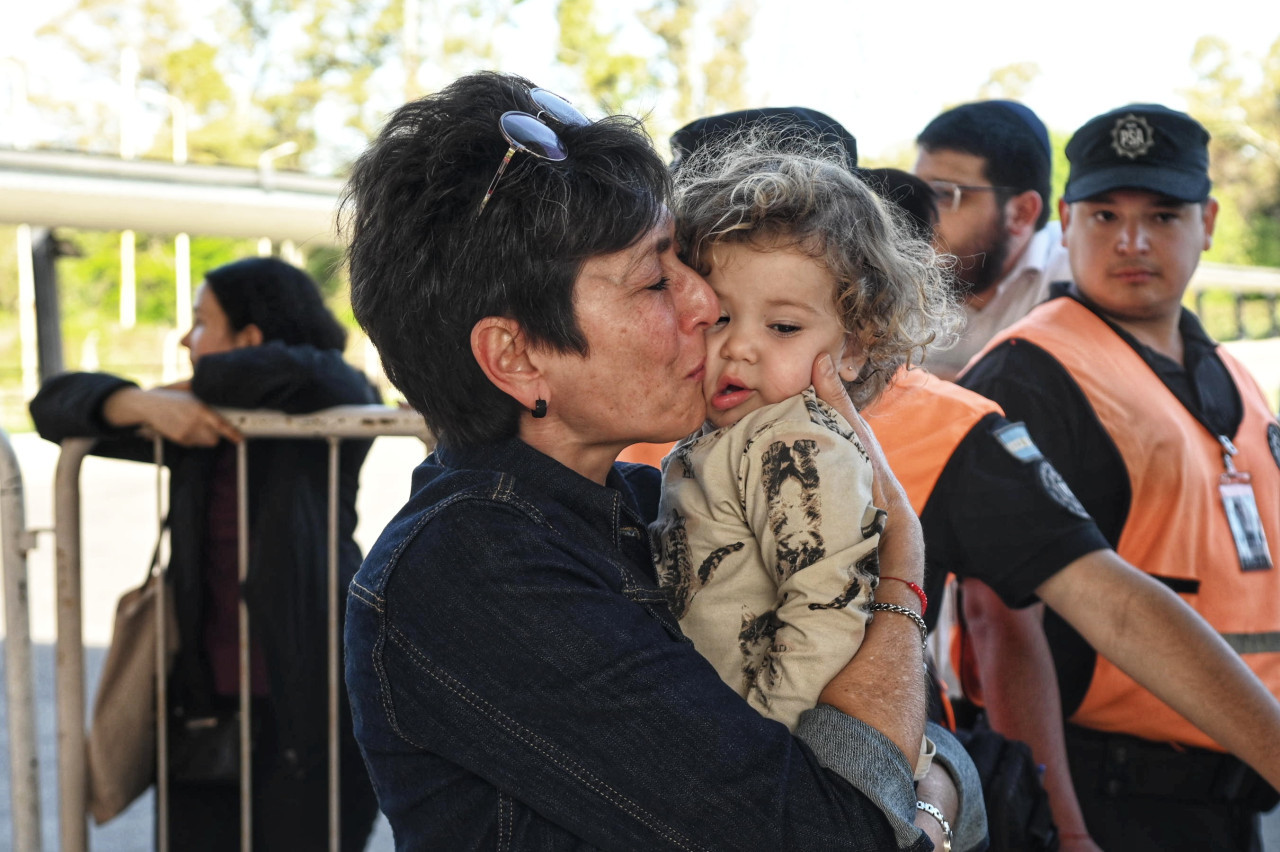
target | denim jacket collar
[{"x": 610, "y": 508}]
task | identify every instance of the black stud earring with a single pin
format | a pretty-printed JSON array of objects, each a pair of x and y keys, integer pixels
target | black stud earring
[{"x": 540, "y": 408}]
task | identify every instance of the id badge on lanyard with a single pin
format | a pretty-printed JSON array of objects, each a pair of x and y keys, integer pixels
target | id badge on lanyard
[{"x": 1236, "y": 487}]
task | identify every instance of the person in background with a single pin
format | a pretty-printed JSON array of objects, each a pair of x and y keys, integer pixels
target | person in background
[
  {"x": 989, "y": 163},
  {"x": 1166, "y": 440},
  {"x": 262, "y": 338},
  {"x": 908, "y": 194}
]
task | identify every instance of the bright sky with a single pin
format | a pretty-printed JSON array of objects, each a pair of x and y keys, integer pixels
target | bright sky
[{"x": 884, "y": 69}]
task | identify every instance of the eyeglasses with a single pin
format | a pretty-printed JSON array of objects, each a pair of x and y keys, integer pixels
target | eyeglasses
[
  {"x": 949, "y": 194},
  {"x": 530, "y": 134}
]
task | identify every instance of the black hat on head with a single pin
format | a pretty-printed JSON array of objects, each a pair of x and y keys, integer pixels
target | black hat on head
[
  {"x": 702, "y": 132},
  {"x": 1140, "y": 146}
]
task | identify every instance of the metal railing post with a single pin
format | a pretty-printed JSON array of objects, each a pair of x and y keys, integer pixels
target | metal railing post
[
  {"x": 24, "y": 776},
  {"x": 72, "y": 761}
]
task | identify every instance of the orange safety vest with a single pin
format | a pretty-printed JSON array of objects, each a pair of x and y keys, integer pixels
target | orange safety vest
[
  {"x": 1177, "y": 525},
  {"x": 650, "y": 454},
  {"x": 919, "y": 421}
]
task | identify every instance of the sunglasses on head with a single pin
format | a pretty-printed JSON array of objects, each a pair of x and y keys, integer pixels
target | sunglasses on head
[{"x": 529, "y": 133}]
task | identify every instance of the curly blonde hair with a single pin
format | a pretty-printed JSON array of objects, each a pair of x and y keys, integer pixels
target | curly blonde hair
[{"x": 772, "y": 192}]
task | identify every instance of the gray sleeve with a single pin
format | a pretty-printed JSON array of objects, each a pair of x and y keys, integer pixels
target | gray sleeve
[
  {"x": 969, "y": 828},
  {"x": 862, "y": 755}
]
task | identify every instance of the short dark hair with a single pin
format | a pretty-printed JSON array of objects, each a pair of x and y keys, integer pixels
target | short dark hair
[
  {"x": 283, "y": 301},
  {"x": 908, "y": 193},
  {"x": 425, "y": 268},
  {"x": 1010, "y": 139}
]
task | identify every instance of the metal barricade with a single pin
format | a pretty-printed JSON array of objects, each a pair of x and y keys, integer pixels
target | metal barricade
[
  {"x": 333, "y": 425},
  {"x": 1242, "y": 282},
  {"x": 24, "y": 781}
]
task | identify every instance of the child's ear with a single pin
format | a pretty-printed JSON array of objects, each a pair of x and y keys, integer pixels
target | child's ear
[{"x": 852, "y": 358}]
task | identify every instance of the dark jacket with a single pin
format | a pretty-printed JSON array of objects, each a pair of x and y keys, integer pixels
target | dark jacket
[{"x": 286, "y": 586}]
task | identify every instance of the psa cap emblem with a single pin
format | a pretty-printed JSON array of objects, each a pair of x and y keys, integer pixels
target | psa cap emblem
[{"x": 1132, "y": 137}]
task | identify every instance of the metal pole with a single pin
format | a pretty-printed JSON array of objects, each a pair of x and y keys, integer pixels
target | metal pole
[
  {"x": 24, "y": 774},
  {"x": 72, "y": 762},
  {"x": 182, "y": 243},
  {"x": 182, "y": 280},
  {"x": 242, "y": 548},
  {"x": 28, "y": 333},
  {"x": 128, "y": 280},
  {"x": 335, "y": 816},
  {"x": 162, "y": 660},
  {"x": 44, "y": 268},
  {"x": 129, "y": 67}
]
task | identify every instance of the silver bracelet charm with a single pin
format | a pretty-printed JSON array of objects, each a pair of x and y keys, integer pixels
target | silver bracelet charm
[
  {"x": 937, "y": 814},
  {"x": 909, "y": 613}
]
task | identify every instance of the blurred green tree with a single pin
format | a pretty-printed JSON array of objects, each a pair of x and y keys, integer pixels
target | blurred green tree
[{"x": 1238, "y": 100}]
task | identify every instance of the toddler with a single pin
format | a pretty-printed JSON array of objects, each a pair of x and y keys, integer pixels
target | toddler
[{"x": 767, "y": 535}]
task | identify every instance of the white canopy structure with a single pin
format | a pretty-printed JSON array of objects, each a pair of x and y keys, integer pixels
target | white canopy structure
[{"x": 57, "y": 189}]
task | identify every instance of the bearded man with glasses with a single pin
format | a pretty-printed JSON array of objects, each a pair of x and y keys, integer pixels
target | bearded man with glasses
[{"x": 989, "y": 164}]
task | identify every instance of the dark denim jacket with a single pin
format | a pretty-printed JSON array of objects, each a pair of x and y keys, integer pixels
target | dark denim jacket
[{"x": 517, "y": 682}]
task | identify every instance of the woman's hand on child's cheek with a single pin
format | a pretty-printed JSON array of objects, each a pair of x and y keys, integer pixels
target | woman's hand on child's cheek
[
  {"x": 902, "y": 542},
  {"x": 832, "y": 391}
]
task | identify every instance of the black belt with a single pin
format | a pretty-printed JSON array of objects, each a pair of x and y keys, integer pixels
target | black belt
[{"x": 1131, "y": 766}]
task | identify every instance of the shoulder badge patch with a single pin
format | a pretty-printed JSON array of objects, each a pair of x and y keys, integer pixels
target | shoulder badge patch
[
  {"x": 1017, "y": 442},
  {"x": 1273, "y": 441},
  {"x": 1132, "y": 137},
  {"x": 1059, "y": 492}
]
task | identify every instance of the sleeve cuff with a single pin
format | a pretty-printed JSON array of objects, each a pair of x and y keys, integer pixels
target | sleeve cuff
[
  {"x": 869, "y": 761},
  {"x": 969, "y": 827}
]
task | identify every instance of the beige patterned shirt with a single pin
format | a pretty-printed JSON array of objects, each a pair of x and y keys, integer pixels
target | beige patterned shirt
[{"x": 766, "y": 539}]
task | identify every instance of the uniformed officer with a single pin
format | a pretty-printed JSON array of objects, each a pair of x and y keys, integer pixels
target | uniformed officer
[
  {"x": 993, "y": 508},
  {"x": 1171, "y": 447}
]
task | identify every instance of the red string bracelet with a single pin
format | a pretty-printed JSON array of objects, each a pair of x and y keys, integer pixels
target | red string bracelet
[{"x": 924, "y": 599}]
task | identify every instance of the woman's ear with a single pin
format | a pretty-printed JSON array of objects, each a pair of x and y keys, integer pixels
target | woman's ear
[
  {"x": 250, "y": 335},
  {"x": 501, "y": 349}
]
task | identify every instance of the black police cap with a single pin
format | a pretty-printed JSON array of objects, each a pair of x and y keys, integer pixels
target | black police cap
[
  {"x": 702, "y": 132},
  {"x": 1140, "y": 146}
]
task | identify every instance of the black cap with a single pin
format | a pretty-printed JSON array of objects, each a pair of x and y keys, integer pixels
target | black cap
[
  {"x": 1140, "y": 146},
  {"x": 701, "y": 132}
]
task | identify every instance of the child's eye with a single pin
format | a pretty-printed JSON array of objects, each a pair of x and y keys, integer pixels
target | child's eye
[
  {"x": 784, "y": 328},
  {"x": 723, "y": 319}
]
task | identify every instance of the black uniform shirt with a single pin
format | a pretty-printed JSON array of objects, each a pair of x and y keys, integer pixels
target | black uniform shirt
[{"x": 991, "y": 517}]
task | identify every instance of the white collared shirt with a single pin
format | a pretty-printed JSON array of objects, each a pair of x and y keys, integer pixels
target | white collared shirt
[{"x": 1027, "y": 285}]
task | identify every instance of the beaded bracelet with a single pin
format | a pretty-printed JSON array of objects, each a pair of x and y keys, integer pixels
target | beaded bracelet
[
  {"x": 909, "y": 613},
  {"x": 924, "y": 599},
  {"x": 942, "y": 820}
]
